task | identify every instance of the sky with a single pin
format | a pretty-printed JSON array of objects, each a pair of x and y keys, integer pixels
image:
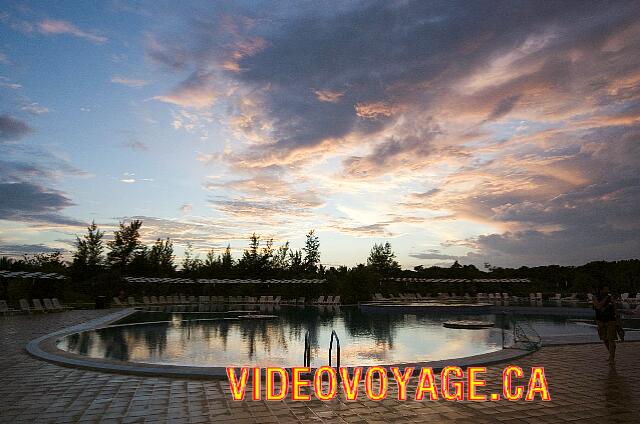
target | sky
[{"x": 501, "y": 132}]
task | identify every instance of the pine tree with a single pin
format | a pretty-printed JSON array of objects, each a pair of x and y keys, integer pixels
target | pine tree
[
  {"x": 89, "y": 248},
  {"x": 312, "y": 252},
  {"x": 125, "y": 245},
  {"x": 382, "y": 259}
]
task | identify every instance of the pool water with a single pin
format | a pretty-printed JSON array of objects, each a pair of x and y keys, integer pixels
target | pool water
[{"x": 222, "y": 339}]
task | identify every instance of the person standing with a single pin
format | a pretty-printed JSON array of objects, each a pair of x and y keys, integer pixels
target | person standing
[{"x": 605, "y": 308}]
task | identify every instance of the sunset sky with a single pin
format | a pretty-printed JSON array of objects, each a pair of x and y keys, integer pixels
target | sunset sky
[{"x": 501, "y": 132}]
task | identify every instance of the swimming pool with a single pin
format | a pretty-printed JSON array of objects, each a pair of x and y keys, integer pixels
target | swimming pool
[{"x": 229, "y": 338}]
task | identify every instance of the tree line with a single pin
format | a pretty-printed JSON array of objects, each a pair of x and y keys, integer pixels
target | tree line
[{"x": 126, "y": 254}]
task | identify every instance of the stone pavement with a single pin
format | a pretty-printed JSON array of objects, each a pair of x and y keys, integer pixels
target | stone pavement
[{"x": 583, "y": 389}]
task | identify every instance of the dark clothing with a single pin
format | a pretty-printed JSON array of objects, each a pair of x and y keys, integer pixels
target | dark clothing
[{"x": 607, "y": 311}]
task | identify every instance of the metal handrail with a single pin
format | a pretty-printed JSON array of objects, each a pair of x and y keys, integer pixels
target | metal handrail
[
  {"x": 334, "y": 334},
  {"x": 307, "y": 351}
]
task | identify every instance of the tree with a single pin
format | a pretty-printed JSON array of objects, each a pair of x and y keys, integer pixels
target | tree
[
  {"x": 125, "y": 245},
  {"x": 312, "y": 252},
  {"x": 89, "y": 248},
  {"x": 280, "y": 261},
  {"x": 160, "y": 257},
  {"x": 295, "y": 261},
  {"x": 190, "y": 264},
  {"x": 254, "y": 261},
  {"x": 382, "y": 259},
  {"x": 227, "y": 259}
]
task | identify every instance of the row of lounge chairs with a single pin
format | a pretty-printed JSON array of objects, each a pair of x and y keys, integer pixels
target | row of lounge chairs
[
  {"x": 330, "y": 300},
  {"x": 46, "y": 305},
  {"x": 193, "y": 300},
  {"x": 481, "y": 297}
]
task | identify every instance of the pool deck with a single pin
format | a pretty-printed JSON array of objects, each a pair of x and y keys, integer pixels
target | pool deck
[{"x": 583, "y": 387}]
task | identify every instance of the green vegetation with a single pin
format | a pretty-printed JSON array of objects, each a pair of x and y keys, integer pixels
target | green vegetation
[{"x": 94, "y": 272}]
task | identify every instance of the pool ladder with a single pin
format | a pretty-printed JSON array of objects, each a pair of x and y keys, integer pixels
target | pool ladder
[{"x": 307, "y": 351}]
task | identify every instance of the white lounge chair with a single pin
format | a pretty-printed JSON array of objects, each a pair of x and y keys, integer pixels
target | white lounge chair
[
  {"x": 48, "y": 305},
  {"x": 153, "y": 300},
  {"x": 336, "y": 300},
  {"x": 59, "y": 306},
  {"x": 37, "y": 305},
  {"x": 572, "y": 298},
  {"x": 319, "y": 301},
  {"x": 5, "y": 309},
  {"x": 300, "y": 301},
  {"x": 556, "y": 298},
  {"x": 131, "y": 301},
  {"x": 146, "y": 301},
  {"x": 24, "y": 305},
  {"x": 277, "y": 299},
  {"x": 328, "y": 300}
]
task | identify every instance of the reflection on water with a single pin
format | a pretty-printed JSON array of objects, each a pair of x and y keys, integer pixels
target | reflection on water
[{"x": 221, "y": 339}]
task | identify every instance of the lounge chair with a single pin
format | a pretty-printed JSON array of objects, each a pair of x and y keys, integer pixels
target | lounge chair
[
  {"x": 162, "y": 300},
  {"x": 277, "y": 299},
  {"x": 590, "y": 297},
  {"x": 183, "y": 299},
  {"x": 556, "y": 298},
  {"x": 319, "y": 301},
  {"x": 59, "y": 306},
  {"x": 24, "y": 305},
  {"x": 539, "y": 297},
  {"x": 336, "y": 300},
  {"x": 131, "y": 301},
  {"x": 153, "y": 300},
  {"x": 48, "y": 305},
  {"x": 146, "y": 301},
  {"x": 37, "y": 305},
  {"x": 328, "y": 300},
  {"x": 572, "y": 298},
  {"x": 5, "y": 309},
  {"x": 300, "y": 301},
  {"x": 192, "y": 299}
]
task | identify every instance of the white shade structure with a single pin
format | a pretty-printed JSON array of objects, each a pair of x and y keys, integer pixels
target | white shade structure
[
  {"x": 167, "y": 280},
  {"x": 460, "y": 280},
  {"x": 32, "y": 275}
]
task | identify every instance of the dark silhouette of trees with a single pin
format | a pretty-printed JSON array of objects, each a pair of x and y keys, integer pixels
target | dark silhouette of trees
[
  {"x": 382, "y": 259},
  {"x": 125, "y": 245},
  {"x": 160, "y": 258},
  {"x": 89, "y": 248},
  {"x": 312, "y": 252}
]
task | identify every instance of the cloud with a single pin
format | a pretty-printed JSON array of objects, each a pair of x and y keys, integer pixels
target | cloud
[
  {"x": 52, "y": 26},
  {"x": 433, "y": 255},
  {"x": 35, "y": 108},
  {"x": 129, "y": 82},
  {"x": 13, "y": 129},
  {"x": 6, "y": 83},
  {"x": 513, "y": 123},
  {"x": 195, "y": 92},
  {"x": 14, "y": 250},
  {"x": 27, "y": 202},
  {"x": 136, "y": 145},
  {"x": 328, "y": 95}
]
